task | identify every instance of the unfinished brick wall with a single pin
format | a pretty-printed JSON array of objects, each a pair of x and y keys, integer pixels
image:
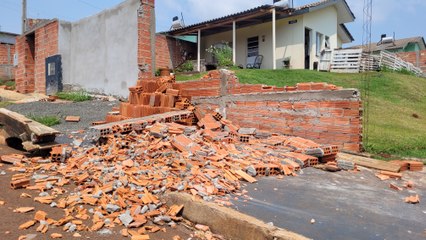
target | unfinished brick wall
[
  {"x": 24, "y": 72},
  {"x": 172, "y": 52},
  {"x": 6, "y": 53},
  {"x": 162, "y": 52},
  {"x": 416, "y": 58},
  {"x": 146, "y": 39},
  {"x": 33, "y": 49},
  {"x": 317, "y": 111},
  {"x": 46, "y": 45},
  {"x": 6, "y": 61}
]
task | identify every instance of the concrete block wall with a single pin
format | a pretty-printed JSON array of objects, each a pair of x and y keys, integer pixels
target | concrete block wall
[
  {"x": 318, "y": 111},
  {"x": 416, "y": 58},
  {"x": 100, "y": 53}
]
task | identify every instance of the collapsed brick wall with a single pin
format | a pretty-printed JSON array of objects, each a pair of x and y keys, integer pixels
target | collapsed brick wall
[
  {"x": 6, "y": 61},
  {"x": 33, "y": 49},
  {"x": 317, "y": 111},
  {"x": 418, "y": 59}
]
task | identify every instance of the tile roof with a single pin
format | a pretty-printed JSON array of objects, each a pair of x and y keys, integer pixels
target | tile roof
[
  {"x": 398, "y": 43},
  {"x": 296, "y": 10}
]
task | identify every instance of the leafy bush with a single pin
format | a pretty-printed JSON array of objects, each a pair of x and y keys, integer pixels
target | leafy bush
[
  {"x": 46, "y": 120},
  {"x": 79, "y": 96},
  {"x": 187, "y": 66},
  {"x": 10, "y": 84},
  {"x": 222, "y": 53}
]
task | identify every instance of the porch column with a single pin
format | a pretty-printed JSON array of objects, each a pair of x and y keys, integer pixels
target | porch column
[
  {"x": 274, "y": 62},
  {"x": 199, "y": 51},
  {"x": 234, "y": 42}
]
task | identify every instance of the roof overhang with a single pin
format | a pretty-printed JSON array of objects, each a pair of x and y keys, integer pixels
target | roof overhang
[
  {"x": 344, "y": 13},
  {"x": 263, "y": 14},
  {"x": 8, "y": 38},
  {"x": 250, "y": 17},
  {"x": 423, "y": 46},
  {"x": 344, "y": 34}
]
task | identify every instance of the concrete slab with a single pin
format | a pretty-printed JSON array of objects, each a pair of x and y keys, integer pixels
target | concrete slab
[
  {"x": 344, "y": 205},
  {"x": 229, "y": 223}
]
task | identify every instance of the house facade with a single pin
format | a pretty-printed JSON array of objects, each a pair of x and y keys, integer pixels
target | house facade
[{"x": 285, "y": 37}]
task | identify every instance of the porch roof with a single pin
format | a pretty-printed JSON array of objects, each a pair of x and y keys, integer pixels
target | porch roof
[{"x": 262, "y": 14}]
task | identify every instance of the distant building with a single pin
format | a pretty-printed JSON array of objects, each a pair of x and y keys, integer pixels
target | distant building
[
  {"x": 7, "y": 51},
  {"x": 412, "y": 50},
  {"x": 284, "y": 35},
  {"x": 412, "y": 44}
]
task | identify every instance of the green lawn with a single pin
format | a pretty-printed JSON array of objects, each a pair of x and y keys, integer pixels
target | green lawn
[{"x": 397, "y": 122}]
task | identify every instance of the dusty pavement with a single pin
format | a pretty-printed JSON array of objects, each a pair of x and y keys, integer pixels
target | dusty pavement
[{"x": 344, "y": 205}]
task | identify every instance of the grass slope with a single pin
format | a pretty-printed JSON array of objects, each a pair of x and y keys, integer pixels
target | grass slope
[{"x": 394, "y": 99}]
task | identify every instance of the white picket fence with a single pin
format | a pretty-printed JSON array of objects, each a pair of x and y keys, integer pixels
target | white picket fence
[
  {"x": 346, "y": 61},
  {"x": 355, "y": 61},
  {"x": 393, "y": 62}
]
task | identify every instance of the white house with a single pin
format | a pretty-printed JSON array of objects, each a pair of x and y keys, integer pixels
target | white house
[{"x": 282, "y": 35}]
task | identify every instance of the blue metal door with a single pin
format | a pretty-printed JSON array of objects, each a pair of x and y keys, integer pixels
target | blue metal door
[{"x": 53, "y": 75}]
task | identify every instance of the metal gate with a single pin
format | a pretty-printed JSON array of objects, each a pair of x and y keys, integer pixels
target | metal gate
[{"x": 53, "y": 75}]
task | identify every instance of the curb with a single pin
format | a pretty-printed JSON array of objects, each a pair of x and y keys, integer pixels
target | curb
[{"x": 228, "y": 222}]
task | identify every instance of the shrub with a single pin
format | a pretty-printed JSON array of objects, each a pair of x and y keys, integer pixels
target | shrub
[
  {"x": 46, "y": 120},
  {"x": 79, "y": 96},
  {"x": 222, "y": 53},
  {"x": 187, "y": 66}
]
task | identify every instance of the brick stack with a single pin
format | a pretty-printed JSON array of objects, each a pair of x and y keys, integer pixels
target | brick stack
[{"x": 149, "y": 97}]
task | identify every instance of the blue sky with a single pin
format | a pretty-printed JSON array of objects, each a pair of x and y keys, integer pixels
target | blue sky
[{"x": 405, "y": 18}]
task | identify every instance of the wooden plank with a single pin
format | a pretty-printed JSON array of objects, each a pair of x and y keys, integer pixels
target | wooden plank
[
  {"x": 246, "y": 177},
  {"x": 369, "y": 162},
  {"x": 8, "y": 117},
  {"x": 32, "y": 132}
]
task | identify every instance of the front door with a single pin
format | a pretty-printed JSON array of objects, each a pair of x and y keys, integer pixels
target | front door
[
  {"x": 307, "y": 48},
  {"x": 53, "y": 75}
]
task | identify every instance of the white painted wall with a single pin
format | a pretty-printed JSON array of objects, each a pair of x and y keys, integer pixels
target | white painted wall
[
  {"x": 290, "y": 38},
  {"x": 99, "y": 53},
  {"x": 323, "y": 21}
]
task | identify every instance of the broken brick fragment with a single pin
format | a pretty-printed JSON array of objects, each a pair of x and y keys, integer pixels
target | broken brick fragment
[{"x": 413, "y": 199}]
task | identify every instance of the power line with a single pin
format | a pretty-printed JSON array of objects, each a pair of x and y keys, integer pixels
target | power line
[{"x": 89, "y": 4}]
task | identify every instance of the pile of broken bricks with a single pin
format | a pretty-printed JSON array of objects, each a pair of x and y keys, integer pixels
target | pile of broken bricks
[
  {"x": 120, "y": 183},
  {"x": 150, "y": 96}
]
